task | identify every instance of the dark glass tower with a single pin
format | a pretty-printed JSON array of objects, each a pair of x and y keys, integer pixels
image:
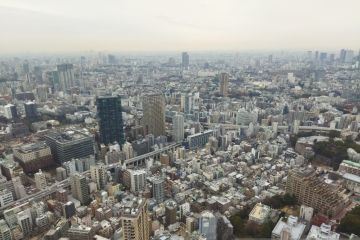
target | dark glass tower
[{"x": 110, "y": 119}]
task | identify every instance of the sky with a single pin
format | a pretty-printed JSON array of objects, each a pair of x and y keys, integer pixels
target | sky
[{"x": 169, "y": 25}]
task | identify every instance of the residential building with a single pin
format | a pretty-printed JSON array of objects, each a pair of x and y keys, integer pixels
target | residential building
[{"x": 154, "y": 114}]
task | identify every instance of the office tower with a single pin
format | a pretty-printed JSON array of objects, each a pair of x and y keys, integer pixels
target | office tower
[
  {"x": 208, "y": 225},
  {"x": 33, "y": 156},
  {"x": 134, "y": 219},
  {"x": 5, "y": 232},
  {"x": 185, "y": 61},
  {"x": 311, "y": 191},
  {"x": 79, "y": 188},
  {"x": 170, "y": 212},
  {"x": 332, "y": 58},
  {"x": 128, "y": 150},
  {"x": 99, "y": 175},
  {"x": 111, "y": 59},
  {"x": 342, "y": 55},
  {"x": 158, "y": 187},
  {"x": 70, "y": 144},
  {"x": 199, "y": 140},
  {"x": 30, "y": 110},
  {"x": 66, "y": 76},
  {"x": 188, "y": 103},
  {"x": 69, "y": 210},
  {"x": 178, "y": 128},
  {"x": 323, "y": 56},
  {"x": 109, "y": 112},
  {"x": 224, "y": 84},
  {"x": 25, "y": 222},
  {"x": 349, "y": 56},
  {"x": 40, "y": 180},
  {"x": 316, "y": 55},
  {"x": 6, "y": 197},
  {"x": 10, "y": 112},
  {"x": 154, "y": 114}
]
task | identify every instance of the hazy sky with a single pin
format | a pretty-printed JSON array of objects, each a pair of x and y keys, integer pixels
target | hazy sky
[{"x": 169, "y": 25}]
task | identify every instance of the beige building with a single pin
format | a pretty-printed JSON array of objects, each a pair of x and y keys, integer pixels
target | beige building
[
  {"x": 134, "y": 219},
  {"x": 224, "y": 84},
  {"x": 259, "y": 213},
  {"x": 154, "y": 114},
  {"x": 311, "y": 191}
]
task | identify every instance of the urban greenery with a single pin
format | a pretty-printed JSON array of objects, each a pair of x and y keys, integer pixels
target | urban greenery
[{"x": 351, "y": 222}]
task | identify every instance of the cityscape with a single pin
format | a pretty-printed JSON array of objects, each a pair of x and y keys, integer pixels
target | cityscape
[{"x": 168, "y": 144}]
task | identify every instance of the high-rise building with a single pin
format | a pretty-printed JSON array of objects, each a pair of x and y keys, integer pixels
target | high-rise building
[
  {"x": 134, "y": 219},
  {"x": 208, "y": 225},
  {"x": 342, "y": 55},
  {"x": 79, "y": 188},
  {"x": 5, "y": 232},
  {"x": 6, "y": 197},
  {"x": 98, "y": 175},
  {"x": 70, "y": 144},
  {"x": 66, "y": 76},
  {"x": 40, "y": 180},
  {"x": 154, "y": 114},
  {"x": 69, "y": 210},
  {"x": 30, "y": 110},
  {"x": 224, "y": 84},
  {"x": 33, "y": 156},
  {"x": 349, "y": 56},
  {"x": 158, "y": 189},
  {"x": 178, "y": 128},
  {"x": 10, "y": 112},
  {"x": 109, "y": 112},
  {"x": 25, "y": 222},
  {"x": 185, "y": 60},
  {"x": 128, "y": 150},
  {"x": 138, "y": 180},
  {"x": 170, "y": 212},
  {"x": 311, "y": 191}
]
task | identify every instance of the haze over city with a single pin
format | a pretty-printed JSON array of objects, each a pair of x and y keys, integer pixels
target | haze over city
[
  {"x": 179, "y": 120},
  {"x": 163, "y": 25}
]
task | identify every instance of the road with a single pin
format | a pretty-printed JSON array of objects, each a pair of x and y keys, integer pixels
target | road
[{"x": 66, "y": 182}]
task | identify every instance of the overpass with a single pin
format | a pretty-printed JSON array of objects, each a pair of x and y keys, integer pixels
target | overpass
[
  {"x": 136, "y": 161},
  {"x": 283, "y": 127}
]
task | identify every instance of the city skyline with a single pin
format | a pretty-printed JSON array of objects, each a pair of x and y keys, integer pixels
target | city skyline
[{"x": 41, "y": 26}]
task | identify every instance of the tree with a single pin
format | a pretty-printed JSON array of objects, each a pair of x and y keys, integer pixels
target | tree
[{"x": 351, "y": 222}]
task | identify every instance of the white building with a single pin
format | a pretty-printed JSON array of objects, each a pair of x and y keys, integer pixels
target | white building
[
  {"x": 138, "y": 180},
  {"x": 40, "y": 180},
  {"x": 306, "y": 213},
  {"x": 322, "y": 232},
  {"x": 6, "y": 197},
  {"x": 98, "y": 175},
  {"x": 290, "y": 229},
  {"x": 128, "y": 150}
]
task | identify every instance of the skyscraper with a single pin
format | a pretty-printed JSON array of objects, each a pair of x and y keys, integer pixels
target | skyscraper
[
  {"x": 178, "y": 128},
  {"x": 30, "y": 110},
  {"x": 224, "y": 84},
  {"x": 208, "y": 225},
  {"x": 79, "y": 187},
  {"x": 109, "y": 112},
  {"x": 185, "y": 60},
  {"x": 134, "y": 219},
  {"x": 66, "y": 76},
  {"x": 154, "y": 114},
  {"x": 158, "y": 189}
]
